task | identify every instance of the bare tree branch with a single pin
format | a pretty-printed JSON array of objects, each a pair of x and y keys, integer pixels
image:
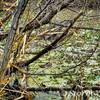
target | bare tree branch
[
  {"x": 46, "y": 89},
  {"x": 21, "y": 6},
  {"x": 37, "y": 22},
  {"x": 47, "y": 18},
  {"x": 63, "y": 72},
  {"x": 51, "y": 46},
  {"x": 76, "y": 27}
]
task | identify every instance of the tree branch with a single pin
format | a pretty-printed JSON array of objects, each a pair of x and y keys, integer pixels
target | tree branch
[
  {"x": 49, "y": 47},
  {"x": 34, "y": 24},
  {"x": 21, "y": 6},
  {"x": 76, "y": 27},
  {"x": 63, "y": 72},
  {"x": 46, "y": 89}
]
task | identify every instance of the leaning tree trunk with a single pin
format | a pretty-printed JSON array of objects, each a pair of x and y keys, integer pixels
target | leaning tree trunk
[{"x": 5, "y": 71}]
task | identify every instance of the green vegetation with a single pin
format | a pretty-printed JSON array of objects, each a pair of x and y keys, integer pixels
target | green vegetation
[{"x": 49, "y": 50}]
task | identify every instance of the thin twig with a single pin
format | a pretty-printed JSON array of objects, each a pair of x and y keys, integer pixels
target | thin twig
[
  {"x": 76, "y": 27},
  {"x": 46, "y": 89}
]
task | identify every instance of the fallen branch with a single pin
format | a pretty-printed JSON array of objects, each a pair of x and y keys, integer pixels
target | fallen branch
[
  {"x": 51, "y": 46},
  {"x": 46, "y": 89},
  {"x": 63, "y": 72}
]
